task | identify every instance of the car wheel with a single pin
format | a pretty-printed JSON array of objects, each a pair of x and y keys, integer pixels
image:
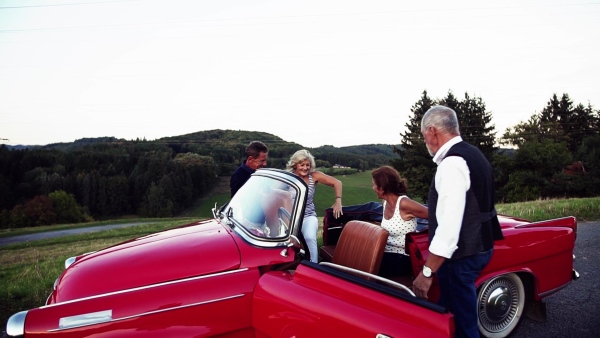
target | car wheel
[{"x": 500, "y": 305}]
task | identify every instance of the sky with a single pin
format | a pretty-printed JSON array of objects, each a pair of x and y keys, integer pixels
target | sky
[{"x": 316, "y": 73}]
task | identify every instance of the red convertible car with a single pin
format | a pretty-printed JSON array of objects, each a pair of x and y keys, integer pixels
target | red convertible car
[{"x": 245, "y": 274}]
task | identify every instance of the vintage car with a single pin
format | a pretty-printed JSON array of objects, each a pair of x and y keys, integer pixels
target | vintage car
[{"x": 245, "y": 273}]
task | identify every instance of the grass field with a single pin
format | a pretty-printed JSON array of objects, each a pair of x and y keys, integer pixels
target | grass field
[{"x": 28, "y": 270}]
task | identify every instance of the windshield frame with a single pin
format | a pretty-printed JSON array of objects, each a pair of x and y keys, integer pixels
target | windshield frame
[{"x": 278, "y": 176}]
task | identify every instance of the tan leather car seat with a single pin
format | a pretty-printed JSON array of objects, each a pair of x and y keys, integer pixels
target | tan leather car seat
[{"x": 361, "y": 246}]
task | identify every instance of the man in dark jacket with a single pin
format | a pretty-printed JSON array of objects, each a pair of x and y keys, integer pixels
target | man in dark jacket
[
  {"x": 462, "y": 219},
  {"x": 256, "y": 157}
]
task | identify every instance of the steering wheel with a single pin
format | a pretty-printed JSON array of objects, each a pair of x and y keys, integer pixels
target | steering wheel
[{"x": 283, "y": 226}]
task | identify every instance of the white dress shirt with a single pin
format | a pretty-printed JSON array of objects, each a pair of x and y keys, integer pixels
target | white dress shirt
[{"x": 451, "y": 183}]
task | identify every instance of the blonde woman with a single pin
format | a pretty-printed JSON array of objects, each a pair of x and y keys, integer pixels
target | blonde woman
[{"x": 302, "y": 163}]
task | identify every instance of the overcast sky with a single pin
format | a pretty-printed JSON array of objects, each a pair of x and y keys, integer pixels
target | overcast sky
[{"x": 313, "y": 72}]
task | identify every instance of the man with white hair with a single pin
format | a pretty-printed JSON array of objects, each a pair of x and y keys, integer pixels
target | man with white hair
[{"x": 463, "y": 224}]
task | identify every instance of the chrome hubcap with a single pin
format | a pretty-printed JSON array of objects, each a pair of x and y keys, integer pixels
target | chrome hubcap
[{"x": 498, "y": 304}]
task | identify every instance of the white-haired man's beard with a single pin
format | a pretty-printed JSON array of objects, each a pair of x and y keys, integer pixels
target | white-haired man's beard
[{"x": 431, "y": 153}]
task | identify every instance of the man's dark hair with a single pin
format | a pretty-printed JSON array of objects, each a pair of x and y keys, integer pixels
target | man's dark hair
[{"x": 255, "y": 148}]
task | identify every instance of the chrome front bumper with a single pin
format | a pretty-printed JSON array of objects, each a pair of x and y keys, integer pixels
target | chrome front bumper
[{"x": 15, "y": 327}]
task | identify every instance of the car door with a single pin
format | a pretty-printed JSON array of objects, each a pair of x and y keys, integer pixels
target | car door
[{"x": 319, "y": 301}]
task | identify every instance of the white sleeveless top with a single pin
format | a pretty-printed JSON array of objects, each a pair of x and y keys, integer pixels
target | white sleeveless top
[{"x": 398, "y": 228}]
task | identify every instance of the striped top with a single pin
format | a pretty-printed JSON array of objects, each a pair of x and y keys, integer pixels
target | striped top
[{"x": 310, "y": 205}]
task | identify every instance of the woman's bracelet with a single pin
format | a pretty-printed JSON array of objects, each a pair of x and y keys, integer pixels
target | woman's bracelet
[{"x": 340, "y": 197}]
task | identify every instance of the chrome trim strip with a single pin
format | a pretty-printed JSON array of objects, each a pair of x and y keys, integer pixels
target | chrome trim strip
[
  {"x": 85, "y": 319},
  {"x": 146, "y": 287},
  {"x": 147, "y": 313},
  {"x": 366, "y": 274}
]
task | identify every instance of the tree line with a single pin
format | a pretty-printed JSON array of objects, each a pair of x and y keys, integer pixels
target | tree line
[
  {"x": 104, "y": 179},
  {"x": 108, "y": 177},
  {"x": 554, "y": 154}
]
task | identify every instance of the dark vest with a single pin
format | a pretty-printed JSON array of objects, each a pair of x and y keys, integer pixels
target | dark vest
[{"x": 480, "y": 226}]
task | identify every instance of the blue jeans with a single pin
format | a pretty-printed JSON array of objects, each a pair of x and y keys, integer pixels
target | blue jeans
[
  {"x": 310, "y": 226},
  {"x": 458, "y": 293}
]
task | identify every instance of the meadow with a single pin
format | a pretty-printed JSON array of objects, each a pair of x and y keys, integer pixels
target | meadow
[{"x": 28, "y": 270}]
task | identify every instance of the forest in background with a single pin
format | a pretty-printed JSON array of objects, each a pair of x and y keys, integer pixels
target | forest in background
[
  {"x": 98, "y": 178},
  {"x": 554, "y": 154}
]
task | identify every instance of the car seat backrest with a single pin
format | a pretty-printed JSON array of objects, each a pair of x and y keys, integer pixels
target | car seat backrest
[{"x": 361, "y": 246}]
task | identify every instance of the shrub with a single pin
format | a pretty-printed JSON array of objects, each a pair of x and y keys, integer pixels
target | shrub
[
  {"x": 35, "y": 212},
  {"x": 66, "y": 208}
]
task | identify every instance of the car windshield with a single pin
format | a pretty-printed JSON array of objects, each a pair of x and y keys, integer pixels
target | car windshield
[{"x": 263, "y": 207}]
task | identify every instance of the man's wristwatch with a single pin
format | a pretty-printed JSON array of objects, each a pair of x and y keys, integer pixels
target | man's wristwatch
[{"x": 427, "y": 271}]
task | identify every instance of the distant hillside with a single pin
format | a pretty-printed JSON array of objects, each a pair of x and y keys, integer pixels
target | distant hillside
[
  {"x": 386, "y": 150},
  {"x": 224, "y": 136},
  {"x": 227, "y": 148},
  {"x": 84, "y": 142},
  {"x": 19, "y": 146},
  {"x": 362, "y": 156},
  {"x": 68, "y": 146}
]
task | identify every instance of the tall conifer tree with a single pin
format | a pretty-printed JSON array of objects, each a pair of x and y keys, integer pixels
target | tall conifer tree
[
  {"x": 475, "y": 125},
  {"x": 415, "y": 163}
]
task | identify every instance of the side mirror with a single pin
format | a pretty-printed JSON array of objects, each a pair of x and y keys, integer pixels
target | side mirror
[{"x": 294, "y": 244}]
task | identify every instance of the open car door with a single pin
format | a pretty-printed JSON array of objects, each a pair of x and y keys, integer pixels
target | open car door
[{"x": 322, "y": 301}]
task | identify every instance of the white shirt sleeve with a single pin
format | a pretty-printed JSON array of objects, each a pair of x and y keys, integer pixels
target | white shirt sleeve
[{"x": 451, "y": 182}]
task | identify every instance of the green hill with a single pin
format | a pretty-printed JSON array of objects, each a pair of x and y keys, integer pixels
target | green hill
[{"x": 227, "y": 147}]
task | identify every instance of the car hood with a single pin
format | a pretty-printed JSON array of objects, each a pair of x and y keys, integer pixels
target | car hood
[{"x": 193, "y": 250}]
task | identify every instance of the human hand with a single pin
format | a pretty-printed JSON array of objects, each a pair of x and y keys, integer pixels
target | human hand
[
  {"x": 337, "y": 208},
  {"x": 421, "y": 285}
]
